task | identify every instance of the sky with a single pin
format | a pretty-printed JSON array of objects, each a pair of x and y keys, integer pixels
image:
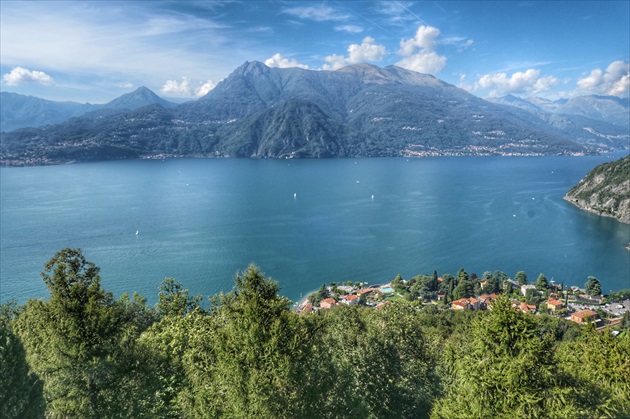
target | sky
[{"x": 95, "y": 51}]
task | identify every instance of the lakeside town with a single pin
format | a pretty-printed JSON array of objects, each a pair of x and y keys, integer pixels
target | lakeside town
[{"x": 580, "y": 305}]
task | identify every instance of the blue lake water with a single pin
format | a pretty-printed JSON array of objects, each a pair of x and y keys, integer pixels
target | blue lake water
[{"x": 305, "y": 222}]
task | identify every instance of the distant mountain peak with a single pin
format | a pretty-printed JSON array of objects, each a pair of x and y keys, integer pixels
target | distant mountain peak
[{"x": 142, "y": 96}]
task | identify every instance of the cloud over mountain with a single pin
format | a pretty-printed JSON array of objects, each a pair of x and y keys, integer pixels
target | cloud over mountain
[
  {"x": 186, "y": 88},
  {"x": 369, "y": 50},
  {"x": 278, "y": 61},
  {"x": 614, "y": 81},
  {"x": 419, "y": 52},
  {"x": 529, "y": 82}
]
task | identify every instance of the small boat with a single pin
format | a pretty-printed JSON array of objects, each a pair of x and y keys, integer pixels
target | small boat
[{"x": 137, "y": 232}]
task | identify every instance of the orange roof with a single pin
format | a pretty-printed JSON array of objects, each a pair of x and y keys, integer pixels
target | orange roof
[
  {"x": 473, "y": 300},
  {"x": 584, "y": 313},
  {"x": 555, "y": 302},
  {"x": 350, "y": 297},
  {"x": 462, "y": 302},
  {"x": 365, "y": 291},
  {"x": 307, "y": 308},
  {"x": 494, "y": 296},
  {"x": 327, "y": 302}
]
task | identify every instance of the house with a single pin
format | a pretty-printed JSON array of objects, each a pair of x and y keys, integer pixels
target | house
[
  {"x": 527, "y": 308},
  {"x": 327, "y": 303},
  {"x": 461, "y": 304},
  {"x": 554, "y": 305},
  {"x": 484, "y": 300},
  {"x": 524, "y": 289},
  {"x": 440, "y": 296},
  {"x": 308, "y": 307},
  {"x": 474, "y": 303},
  {"x": 350, "y": 300},
  {"x": 365, "y": 291},
  {"x": 584, "y": 316}
]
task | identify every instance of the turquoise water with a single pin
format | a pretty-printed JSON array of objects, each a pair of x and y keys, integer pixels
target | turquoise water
[{"x": 305, "y": 222}]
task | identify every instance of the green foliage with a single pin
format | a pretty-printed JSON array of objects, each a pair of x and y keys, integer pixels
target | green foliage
[
  {"x": 501, "y": 368},
  {"x": 619, "y": 295},
  {"x": 541, "y": 283},
  {"x": 593, "y": 286},
  {"x": 81, "y": 342},
  {"x": 464, "y": 289},
  {"x": 521, "y": 277},
  {"x": 20, "y": 390},
  {"x": 174, "y": 300},
  {"x": 85, "y": 354}
]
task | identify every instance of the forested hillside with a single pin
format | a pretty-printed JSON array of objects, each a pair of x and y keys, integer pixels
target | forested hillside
[
  {"x": 83, "y": 353},
  {"x": 605, "y": 190}
]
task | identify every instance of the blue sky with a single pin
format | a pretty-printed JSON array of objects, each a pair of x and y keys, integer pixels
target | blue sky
[{"x": 90, "y": 51}]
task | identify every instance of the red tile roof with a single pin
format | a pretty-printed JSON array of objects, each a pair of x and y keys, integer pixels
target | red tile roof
[{"x": 584, "y": 313}]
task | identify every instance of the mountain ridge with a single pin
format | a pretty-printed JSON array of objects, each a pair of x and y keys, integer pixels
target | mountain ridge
[{"x": 359, "y": 110}]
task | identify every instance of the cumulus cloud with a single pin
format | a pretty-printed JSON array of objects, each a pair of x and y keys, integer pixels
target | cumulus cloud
[
  {"x": 529, "y": 82},
  {"x": 186, "y": 88},
  {"x": 21, "y": 75},
  {"x": 419, "y": 52},
  {"x": 277, "y": 60},
  {"x": 369, "y": 50},
  {"x": 615, "y": 80}
]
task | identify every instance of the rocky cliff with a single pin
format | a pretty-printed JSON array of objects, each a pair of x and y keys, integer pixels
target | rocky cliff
[{"x": 605, "y": 190}]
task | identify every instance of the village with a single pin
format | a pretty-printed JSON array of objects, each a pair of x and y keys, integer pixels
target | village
[{"x": 572, "y": 303}]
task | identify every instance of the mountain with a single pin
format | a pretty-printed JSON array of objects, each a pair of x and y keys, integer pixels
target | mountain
[
  {"x": 609, "y": 109},
  {"x": 142, "y": 96},
  {"x": 258, "y": 111},
  {"x": 595, "y": 133},
  {"x": 605, "y": 190},
  {"x": 20, "y": 111}
]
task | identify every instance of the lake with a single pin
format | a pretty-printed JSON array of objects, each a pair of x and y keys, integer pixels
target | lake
[{"x": 305, "y": 222}]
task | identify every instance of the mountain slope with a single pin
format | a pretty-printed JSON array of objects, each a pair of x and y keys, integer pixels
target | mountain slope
[
  {"x": 19, "y": 111},
  {"x": 605, "y": 190},
  {"x": 257, "y": 111}
]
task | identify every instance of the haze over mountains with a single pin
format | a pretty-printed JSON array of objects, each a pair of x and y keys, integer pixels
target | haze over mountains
[{"x": 359, "y": 110}]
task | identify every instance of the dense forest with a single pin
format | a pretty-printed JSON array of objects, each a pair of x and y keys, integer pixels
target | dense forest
[{"x": 85, "y": 354}]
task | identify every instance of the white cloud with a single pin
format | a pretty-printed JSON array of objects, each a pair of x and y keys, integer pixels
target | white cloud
[
  {"x": 277, "y": 60},
  {"x": 369, "y": 50},
  {"x": 186, "y": 88},
  {"x": 614, "y": 81},
  {"x": 529, "y": 82},
  {"x": 418, "y": 52},
  {"x": 349, "y": 28},
  {"x": 318, "y": 14},
  {"x": 21, "y": 75}
]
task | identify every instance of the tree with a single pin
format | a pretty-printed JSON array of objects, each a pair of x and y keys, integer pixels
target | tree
[
  {"x": 240, "y": 361},
  {"x": 521, "y": 277},
  {"x": 174, "y": 300},
  {"x": 462, "y": 275},
  {"x": 398, "y": 283},
  {"x": 541, "y": 283},
  {"x": 81, "y": 343},
  {"x": 501, "y": 367},
  {"x": 20, "y": 390},
  {"x": 492, "y": 286},
  {"x": 593, "y": 286},
  {"x": 464, "y": 289}
]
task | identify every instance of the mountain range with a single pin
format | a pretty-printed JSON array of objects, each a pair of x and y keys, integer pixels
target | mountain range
[{"x": 359, "y": 110}]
